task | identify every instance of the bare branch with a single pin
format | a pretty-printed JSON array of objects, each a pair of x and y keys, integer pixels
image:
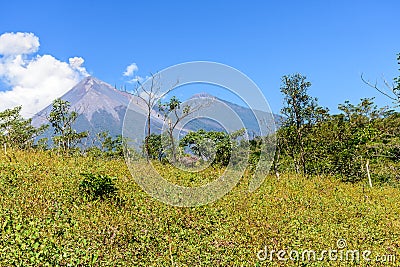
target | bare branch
[
  {"x": 375, "y": 86},
  {"x": 149, "y": 96}
]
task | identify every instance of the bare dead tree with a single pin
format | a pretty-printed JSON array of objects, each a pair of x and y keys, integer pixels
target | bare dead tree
[{"x": 150, "y": 94}]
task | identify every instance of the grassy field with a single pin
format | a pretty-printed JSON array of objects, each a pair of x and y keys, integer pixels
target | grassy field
[{"x": 46, "y": 221}]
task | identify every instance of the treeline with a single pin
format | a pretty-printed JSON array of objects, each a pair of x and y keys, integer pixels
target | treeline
[
  {"x": 362, "y": 140},
  {"x": 17, "y": 132}
]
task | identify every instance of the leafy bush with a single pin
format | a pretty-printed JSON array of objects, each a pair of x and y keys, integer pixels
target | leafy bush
[
  {"x": 154, "y": 146},
  {"x": 212, "y": 145},
  {"x": 97, "y": 186}
]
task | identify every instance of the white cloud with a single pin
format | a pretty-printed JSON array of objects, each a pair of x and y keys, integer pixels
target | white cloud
[
  {"x": 34, "y": 80},
  {"x": 130, "y": 70},
  {"x": 76, "y": 63},
  {"x": 18, "y": 43}
]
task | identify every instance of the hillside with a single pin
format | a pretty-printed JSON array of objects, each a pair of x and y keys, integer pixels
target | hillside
[{"x": 46, "y": 220}]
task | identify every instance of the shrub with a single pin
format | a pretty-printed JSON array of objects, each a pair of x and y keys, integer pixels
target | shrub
[{"x": 97, "y": 186}]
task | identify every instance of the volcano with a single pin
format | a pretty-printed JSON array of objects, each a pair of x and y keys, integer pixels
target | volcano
[{"x": 102, "y": 107}]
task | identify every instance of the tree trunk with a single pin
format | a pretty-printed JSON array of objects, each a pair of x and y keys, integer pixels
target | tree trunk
[
  {"x": 301, "y": 149},
  {"x": 148, "y": 136},
  {"x": 171, "y": 137}
]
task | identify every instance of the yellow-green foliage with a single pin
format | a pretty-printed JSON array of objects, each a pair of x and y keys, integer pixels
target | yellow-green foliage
[{"x": 45, "y": 221}]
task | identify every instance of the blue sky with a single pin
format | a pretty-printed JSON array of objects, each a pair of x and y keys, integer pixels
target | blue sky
[{"x": 331, "y": 42}]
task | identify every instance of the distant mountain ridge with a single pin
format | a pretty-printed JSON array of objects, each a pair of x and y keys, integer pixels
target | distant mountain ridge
[{"x": 102, "y": 108}]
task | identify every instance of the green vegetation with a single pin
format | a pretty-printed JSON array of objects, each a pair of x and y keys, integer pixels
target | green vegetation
[
  {"x": 173, "y": 113},
  {"x": 16, "y": 131},
  {"x": 301, "y": 113},
  {"x": 338, "y": 177},
  {"x": 61, "y": 119},
  {"x": 107, "y": 146},
  {"x": 97, "y": 186},
  {"x": 45, "y": 221},
  {"x": 342, "y": 144},
  {"x": 213, "y": 146}
]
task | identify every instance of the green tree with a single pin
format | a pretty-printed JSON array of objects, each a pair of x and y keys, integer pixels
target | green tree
[
  {"x": 389, "y": 145},
  {"x": 173, "y": 113},
  {"x": 301, "y": 112},
  {"x": 343, "y": 144},
  {"x": 62, "y": 120},
  {"x": 212, "y": 145},
  {"x": 111, "y": 147},
  {"x": 17, "y": 132},
  {"x": 154, "y": 145}
]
